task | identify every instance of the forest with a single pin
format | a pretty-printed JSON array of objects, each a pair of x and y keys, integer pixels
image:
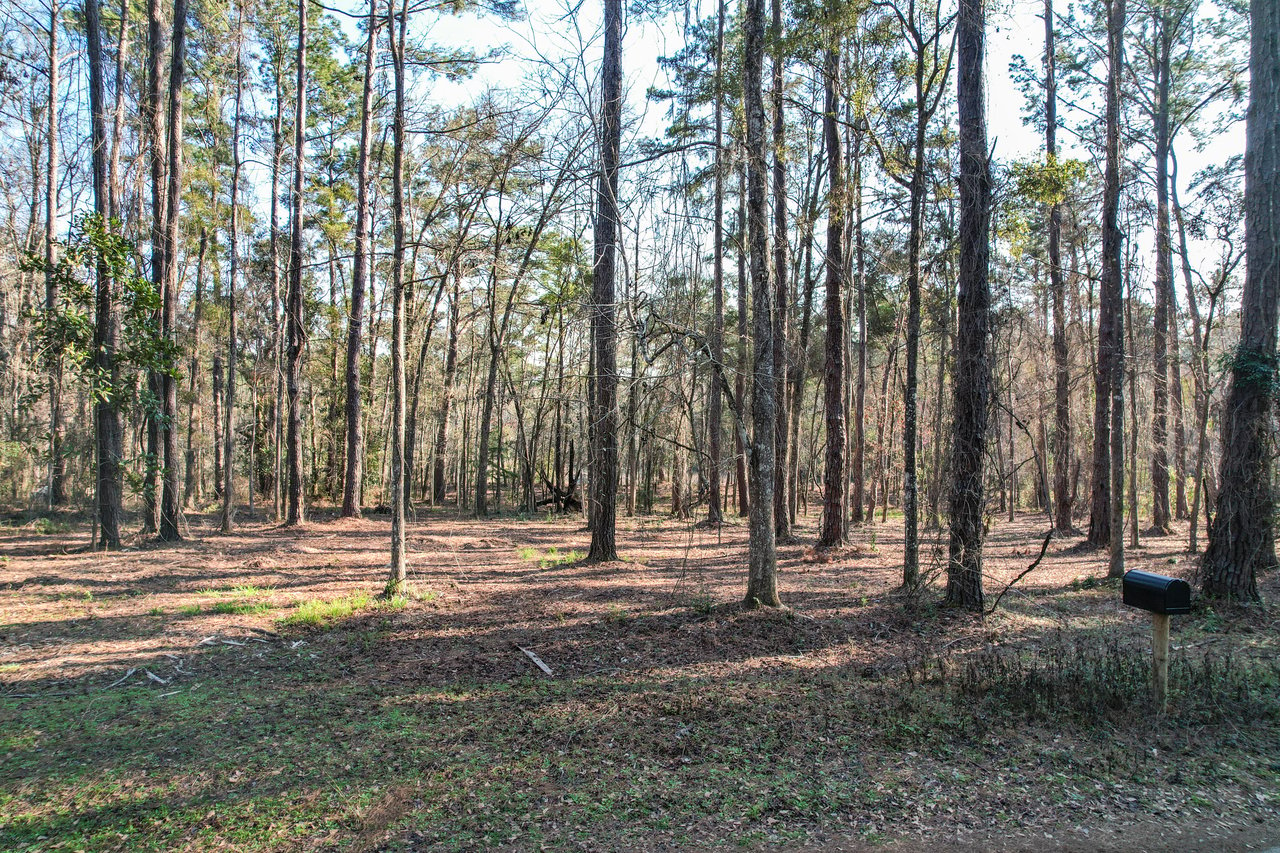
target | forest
[{"x": 659, "y": 426}]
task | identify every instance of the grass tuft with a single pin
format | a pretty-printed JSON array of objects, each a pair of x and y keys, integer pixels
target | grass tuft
[{"x": 317, "y": 613}]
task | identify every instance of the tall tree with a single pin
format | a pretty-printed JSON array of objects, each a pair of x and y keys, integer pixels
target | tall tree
[
  {"x": 1242, "y": 535},
  {"x": 396, "y": 41},
  {"x": 1110, "y": 302},
  {"x": 233, "y": 270},
  {"x": 154, "y": 116},
  {"x": 715, "y": 395},
  {"x": 762, "y": 557},
  {"x": 1163, "y": 284},
  {"x": 604, "y": 334},
  {"x": 353, "y": 483},
  {"x": 1063, "y": 445},
  {"x": 1108, "y": 466},
  {"x": 170, "y": 501},
  {"x": 833, "y": 516},
  {"x": 781, "y": 298},
  {"x": 109, "y": 444},
  {"x": 296, "y": 326},
  {"x": 973, "y": 365},
  {"x": 57, "y": 463}
]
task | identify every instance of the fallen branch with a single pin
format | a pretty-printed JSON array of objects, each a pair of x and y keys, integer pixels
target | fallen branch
[
  {"x": 537, "y": 660},
  {"x": 1044, "y": 546}
]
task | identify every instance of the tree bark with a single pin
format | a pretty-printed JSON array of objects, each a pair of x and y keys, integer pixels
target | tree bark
[
  {"x": 1160, "y": 514},
  {"x": 604, "y": 334},
  {"x": 762, "y": 577},
  {"x": 396, "y": 40},
  {"x": 781, "y": 300},
  {"x": 1063, "y": 445},
  {"x": 233, "y": 270},
  {"x": 353, "y": 482},
  {"x": 1242, "y": 536},
  {"x": 57, "y": 464},
  {"x": 973, "y": 365},
  {"x": 294, "y": 513},
  {"x": 833, "y": 517},
  {"x": 715, "y": 396},
  {"x": 170, "y": 499},
  {"x": 1111, "y": 321},
  {"x": 106, "y": 333}
]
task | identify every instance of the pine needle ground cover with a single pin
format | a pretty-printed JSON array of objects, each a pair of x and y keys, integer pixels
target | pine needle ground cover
[{"x": 252, "y": 693}]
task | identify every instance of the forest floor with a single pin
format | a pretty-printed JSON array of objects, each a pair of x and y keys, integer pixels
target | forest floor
[{"x": 251, "y": 692}]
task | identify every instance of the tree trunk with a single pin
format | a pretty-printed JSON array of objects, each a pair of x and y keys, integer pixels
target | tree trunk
[
  {"x": 1163, "y": 282},
  {"x": 781, "y": 310},
  {"x": 191, "y": 486},
  {"x": 106, "y": 332},
  {"x": 294, "y": 513},
  {"x": 156, "y": 153},
  {"x": 446, "y": 395},
  {"x": 233, "y": 270},
  {"x": 169, "y": 500},
  {"x": 1063, "y": 445},
  {"x": 973, "y": 366},
  {"x": 57, "y": 464},
  {"x": 1242, "y": 536},
  {"x": 762, "y": 559},
  {"x": 715, "y": 397},
  {"x": 1111, "y": 357},
  {"x": 604, "y": 334},
  {"x": 396, "y": 41},
  {"x": 353, "y": 482},
  {"x": 833, "y": 518},
  {"x": 860, "y": 383}
]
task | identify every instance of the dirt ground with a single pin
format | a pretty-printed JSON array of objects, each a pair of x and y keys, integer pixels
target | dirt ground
[{"x": 245, "y": 692}]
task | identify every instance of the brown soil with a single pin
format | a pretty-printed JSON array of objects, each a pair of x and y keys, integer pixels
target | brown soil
[{"x": 76, "y": 621}]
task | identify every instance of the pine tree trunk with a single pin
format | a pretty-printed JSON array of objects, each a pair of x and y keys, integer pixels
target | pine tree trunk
[
  {"x": 191, "y": 486},
  {"x": 109, "y": 444},
  {"x": 294, "y": 512},
  {"x": 833, "y": 517},
  {"x": 353, "y": 482},
  {"x": 973, "y": 365},
  {"x": 762, "y": 577},
  {"x": 169, "y": 499},
  {"x": 57, "y": 464},
  {"x": 233, "y": 271},
  {"x": 1111, "y": 323},
  {"x": 1242, "y": 536},
  {"x": 715, "y": 397},
  {"x": 604, "y": 334},
  {"x": 1163, "y": 282},
  {"x": 1063, "y": 445},
  {"x": 396, "y": 40},
  {"x": 781, "y": 301}
]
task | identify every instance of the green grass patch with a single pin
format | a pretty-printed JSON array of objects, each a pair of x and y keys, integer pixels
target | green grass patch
[
  {"x": 550, "y": 558},
  {"x": 317, "y": 613},
  {"x": 240, "y": 608}
]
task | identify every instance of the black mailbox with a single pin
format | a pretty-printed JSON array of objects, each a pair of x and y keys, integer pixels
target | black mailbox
[{"x": 1156, "y": 593}]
